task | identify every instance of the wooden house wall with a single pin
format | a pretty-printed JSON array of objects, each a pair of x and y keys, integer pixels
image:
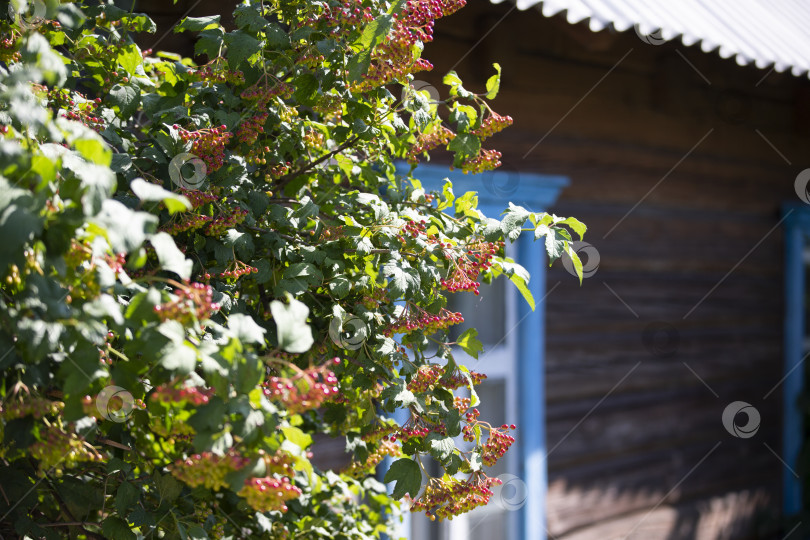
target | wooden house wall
[
  {"x": 682, "y": 198},
  {"x": 681, "y": 194}
]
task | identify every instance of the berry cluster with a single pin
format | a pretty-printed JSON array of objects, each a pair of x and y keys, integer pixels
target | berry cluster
[
  {"x": 204, "y": 513},
  {"x": 393, "y": 58},
  {"x": 449, "y": 496},
  {"x": 186, "y": 223},
  {"x": 468, "y": 266},
  {"x": 262, "y": 95},
  {"x": 116, "y": 262},
  {"x": 304, "y": 391},
  {"x": 198, "y": 198},
  {"x": 207, "y": 469},
  {"x": 412, "y": 229},
  {"x": 425, "y": 377},
  {"x": 457, "y": 380},
  {"x": 343, "y": 18},
  {"x": 310, "y": 60},
  {"x": 194, "y": 302},
  {"x": 428, "y": 141},
  {"x": 236, "y": 270},
  {"x": 269, "y": 494},
  {"x": 76, "y": 106},
  {"x": 280, "y": 463},
  {"x": 8, "y": 50},
  {"x": 379, "y": 433},
  {"x": 415, "y": 318},
  {"x": 492, "y": 124},
  {"x": 313, "y": 139},
  {"x": 211, "y": 74},
  {"x": 373, "y": 299},
  {"x": 37, "y": 407},
  {"x": 209, "y": 144},
  {"x": 385, "y": 448},
  {"x": 249, "y": 130},
  {"x": 497, "y": 444},
  {"x": 188, "y": 394},
  {"x": 330, "y": 107},
  {"x": 60, "y": 449},
  {"x": 461, "y": 404},
  {"x": 223, "y": 222},
  {"x": 486, "y": 160}
]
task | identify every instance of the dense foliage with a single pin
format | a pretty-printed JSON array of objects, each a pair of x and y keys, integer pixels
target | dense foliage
[{"x": 203, "y": 266}]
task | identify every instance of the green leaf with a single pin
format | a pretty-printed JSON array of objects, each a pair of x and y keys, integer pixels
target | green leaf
[
  {"x": 575, "y": 260},
  {"x": 470, "y": 343},
  {"x": 241, "y": 46},
  {"x": 293, "y": 332},
  {"x": 197, "y": 24},
  {"x": 340, "y": 286},
  {"x": 465, "y": 145},
  {"x": 576, "y": 226},
  {"x": 407, "y": 475},
  {"x": 126, "y": 497},
  {"x": 94, "y": 151},
  {"x": 249, "y": 18},
  {"x": 245, "y": 329},
  {"x": 297, "y": 437},
  {"x": 116, "y": 528},
  {"x": 168, "y": 488},
  {"x": 147, "y": 191},
  {"x": 126, "y": 230},
  {"x": 440, "y": 446},
  {"x": 375, "y": 31},
  {"x": 520, "y": 283},
  {"x": 125, "y": 98},
  {"x": 209, "y": 42},
  {"x": 306, "y": 88},
  {"x": 171, "y": 258},
  {"x": 37, "y": 51},
  {"x": 358, "y": 65},
  {"x": 466, "y": 203},
  {"x": 447, "y": 195},
  {"x": 494, "y": 83},
  {"x": 129, "y": 57},
  {"x": 474, "y": 399},
  {"x": 555, "y": 244},
  {"x": 402, "y": 281},
  {"x": 513, "y": 221}
]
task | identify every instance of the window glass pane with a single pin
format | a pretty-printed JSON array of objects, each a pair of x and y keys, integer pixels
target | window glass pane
[{"x": 485, "y": 312}]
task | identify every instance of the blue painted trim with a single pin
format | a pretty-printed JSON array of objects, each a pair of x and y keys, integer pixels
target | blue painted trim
[
  {"x": 797, "y": 231},
  {"x": 531, "y": 384},
  {"x": 534, "y": 192}
]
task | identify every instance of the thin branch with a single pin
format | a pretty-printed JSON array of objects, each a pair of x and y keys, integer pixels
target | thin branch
[{"x": 286, "y": 179}]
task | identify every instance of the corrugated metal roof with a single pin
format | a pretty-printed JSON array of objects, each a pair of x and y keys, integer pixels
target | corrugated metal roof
[{"x": 767, "y": 33}]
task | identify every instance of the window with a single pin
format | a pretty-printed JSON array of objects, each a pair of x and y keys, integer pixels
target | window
[
  {"x": 513, "y": 337},
  {"x": 797, "y": 346}
]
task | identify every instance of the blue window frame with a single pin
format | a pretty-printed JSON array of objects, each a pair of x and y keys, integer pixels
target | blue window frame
[
  {"x": 797, "y": 346},
  {"x": 534, "y": 192}
]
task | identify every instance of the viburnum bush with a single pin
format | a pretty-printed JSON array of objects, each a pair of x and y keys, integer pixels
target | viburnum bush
[{"x": 203, "y": 266}]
